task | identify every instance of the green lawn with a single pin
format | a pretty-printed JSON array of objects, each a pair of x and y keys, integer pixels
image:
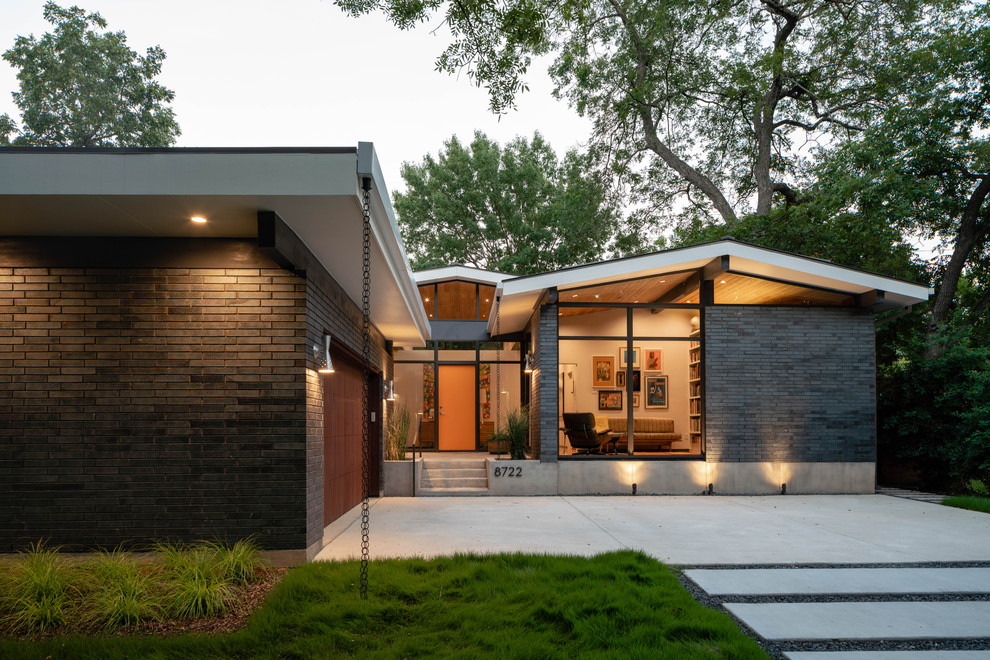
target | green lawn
[
  {"x": 617, "y": 605},
  {"x": 971, "y": 502}
]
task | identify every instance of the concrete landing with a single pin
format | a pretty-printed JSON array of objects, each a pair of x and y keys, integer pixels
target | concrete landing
[
  {"x": 865, "y": 621},
  {"x": 796, "y": 581}
]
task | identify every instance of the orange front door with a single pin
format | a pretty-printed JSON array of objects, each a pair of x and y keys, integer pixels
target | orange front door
[{"x": 455, "y": 391}]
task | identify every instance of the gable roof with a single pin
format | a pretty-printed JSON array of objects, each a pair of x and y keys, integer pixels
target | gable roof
[{"x": 520, "y": 295}]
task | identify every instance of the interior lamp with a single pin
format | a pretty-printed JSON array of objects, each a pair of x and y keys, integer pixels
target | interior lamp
[{"x": 323, "y": 356}]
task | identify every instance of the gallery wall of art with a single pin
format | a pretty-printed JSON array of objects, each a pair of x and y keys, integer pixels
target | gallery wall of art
[{"x": 584, "y": 386}]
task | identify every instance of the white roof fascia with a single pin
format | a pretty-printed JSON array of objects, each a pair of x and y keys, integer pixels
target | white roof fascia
[
  {"x": 386, "y": 231},
  {"x": 467, "y": 273}
]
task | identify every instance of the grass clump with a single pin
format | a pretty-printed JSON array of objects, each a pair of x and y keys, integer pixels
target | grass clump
[
  {"x": 39, "y": 590},
  {"x": 970, "y": 502},
  {"x": 616, "y": 605},
  {"x": 122, "y": 594},
  {"x": 201, "y": 577},
  {"x": 397, "y": 433}
]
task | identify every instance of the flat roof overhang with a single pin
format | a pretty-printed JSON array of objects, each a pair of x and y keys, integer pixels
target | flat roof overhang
[
  {"x": 154, "y": 192},
  {"x": 521, "y": 295}
]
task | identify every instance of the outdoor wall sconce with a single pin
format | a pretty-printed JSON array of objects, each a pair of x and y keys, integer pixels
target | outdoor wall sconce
[
  {"x": 529, "y": 364},
  {"x": 391, "y": 390},
  {"x": 323, "y": 360}
]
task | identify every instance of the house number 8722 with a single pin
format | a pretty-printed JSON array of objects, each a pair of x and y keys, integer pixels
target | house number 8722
[{"x": 508, "y": 472}]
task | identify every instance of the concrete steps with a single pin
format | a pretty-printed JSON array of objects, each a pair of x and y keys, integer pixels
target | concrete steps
[{"x": 463, "y": 478}]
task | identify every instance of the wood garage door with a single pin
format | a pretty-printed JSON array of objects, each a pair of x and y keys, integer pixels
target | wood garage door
[{"x": 342, "y": 435}]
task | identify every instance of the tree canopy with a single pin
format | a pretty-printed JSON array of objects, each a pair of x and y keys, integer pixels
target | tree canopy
[
  {"x": 703, "y": 102},
  {"x": 516, "y": 209},
  {"x": 83, "y": 88}
]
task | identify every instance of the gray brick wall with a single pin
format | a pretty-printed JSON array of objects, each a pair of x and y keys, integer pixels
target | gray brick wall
[
  {"x": 543, "y": 398},
  {"x": 151, "y": 404},
  {"x": 789, "y": 384}
]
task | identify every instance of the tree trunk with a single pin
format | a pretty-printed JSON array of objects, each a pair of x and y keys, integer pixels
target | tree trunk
[{"x": 971, "y": 232}]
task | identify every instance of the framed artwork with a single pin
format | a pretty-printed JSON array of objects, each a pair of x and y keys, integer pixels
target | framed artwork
[
  {"x": 620, "y": 380},
  {"x": 656, "y": 392},
  {"x": 635, "y": 403},
  {"x": 623, "y": 357},
  {"x": 653, "y": 360},
  {"x": 610, "y": 400},
  {"x": 603, "y": 371}
]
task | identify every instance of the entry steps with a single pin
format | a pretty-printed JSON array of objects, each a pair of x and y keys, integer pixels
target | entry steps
[{"x": 454, "y": 478}]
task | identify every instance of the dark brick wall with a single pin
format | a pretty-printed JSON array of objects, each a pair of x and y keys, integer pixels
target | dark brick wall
[
  {"x": 170, "y": 402},
  {"x": 150, "y": 404},
  {"x": 329, "y": 308},
  {"x": 543, "y": 398},
  {"x": 789, "y": 384}
]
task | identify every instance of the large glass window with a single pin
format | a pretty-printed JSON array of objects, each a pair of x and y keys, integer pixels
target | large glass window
[
  {"x": 422, "y": 376},
  {"x": 658, "y": 381}
]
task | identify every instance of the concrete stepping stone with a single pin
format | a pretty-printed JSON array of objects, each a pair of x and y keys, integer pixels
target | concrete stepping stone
[
  {"x": 799, "y": 581},
  {"x": 866, "y": 621}
]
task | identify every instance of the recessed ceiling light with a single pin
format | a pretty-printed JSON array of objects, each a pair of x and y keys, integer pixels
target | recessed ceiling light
[
  {"x": 574, "y": 296},
  {"x": 198, "y": 219},
  {"x": 662, "y": 281},
  {"x": 721, "y": 281}
]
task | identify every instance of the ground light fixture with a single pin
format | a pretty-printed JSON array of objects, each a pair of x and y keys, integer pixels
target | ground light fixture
[
  {"x": 783, "y": 489},
  {"x": 322, "y": 355}
]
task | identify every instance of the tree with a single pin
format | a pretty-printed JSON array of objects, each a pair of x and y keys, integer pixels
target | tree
[
  {"x": 83, "y": 88},
  {"x": 696, "y": 100},
  {"x": 923, "y": 166},
  {"x": 516, "y": 210}
]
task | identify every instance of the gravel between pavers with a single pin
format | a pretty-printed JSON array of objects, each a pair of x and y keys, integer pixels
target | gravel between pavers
[{"x": 776, "y": 649}]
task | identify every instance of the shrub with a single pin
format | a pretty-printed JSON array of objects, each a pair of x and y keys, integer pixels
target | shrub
[
  {"x": 39, "y": 589},
  {"x": 937, "y": 413},
  {"x": 397, "y": 433}
]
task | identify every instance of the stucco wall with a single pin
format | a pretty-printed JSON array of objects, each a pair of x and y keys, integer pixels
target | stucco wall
[{"x": 789, "y": 384}]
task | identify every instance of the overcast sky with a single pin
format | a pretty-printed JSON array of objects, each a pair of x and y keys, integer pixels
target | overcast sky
[{"x": 301, "y": 73}]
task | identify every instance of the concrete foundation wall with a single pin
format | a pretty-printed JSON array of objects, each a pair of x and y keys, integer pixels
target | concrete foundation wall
[{"x": 605, "y": 477}]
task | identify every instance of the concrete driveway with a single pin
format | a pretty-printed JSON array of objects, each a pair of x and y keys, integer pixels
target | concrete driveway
[
  {"x": 687, "y": 531},
  {"x": 851, "y": 576}
]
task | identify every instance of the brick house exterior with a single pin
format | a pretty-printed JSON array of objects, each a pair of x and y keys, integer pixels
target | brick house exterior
[{"x": 159, "y": 377}]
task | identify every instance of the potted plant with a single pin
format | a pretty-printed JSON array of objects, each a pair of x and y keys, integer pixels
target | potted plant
[
  {"x": 498, "y": 443},
  {"x": 397, "y": 434}
]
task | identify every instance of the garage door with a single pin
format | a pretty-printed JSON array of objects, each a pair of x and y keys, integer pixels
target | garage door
[{"x": 342, "y": 435}]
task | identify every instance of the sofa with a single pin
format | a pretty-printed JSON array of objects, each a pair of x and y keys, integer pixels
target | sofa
[{"x": 649, "y": 433}]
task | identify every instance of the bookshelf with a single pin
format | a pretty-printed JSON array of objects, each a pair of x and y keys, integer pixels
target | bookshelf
[{"x": 694, "y": 390}]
